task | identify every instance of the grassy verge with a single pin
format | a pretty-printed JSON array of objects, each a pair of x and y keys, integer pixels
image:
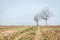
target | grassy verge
[
  {"x": 30, "y": 35},
  {"x": 12, "y": 37}
]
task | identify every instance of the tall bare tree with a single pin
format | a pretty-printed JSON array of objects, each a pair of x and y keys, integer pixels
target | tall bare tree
[
  {"x": 36, "y": 19},
  {"x": 45, "y": 15}
]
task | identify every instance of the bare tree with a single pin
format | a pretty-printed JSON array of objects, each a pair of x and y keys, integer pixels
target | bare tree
[
  {"x": 45, "y": 15},
  {"x": 36, "y": 19}
]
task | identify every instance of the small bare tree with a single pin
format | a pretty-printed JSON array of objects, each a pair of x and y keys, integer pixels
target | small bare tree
[
  {"x": 45, "y": 15},
  {"x": 36, "y": 19}
]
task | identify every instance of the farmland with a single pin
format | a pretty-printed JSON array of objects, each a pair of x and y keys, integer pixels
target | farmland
[{"x": 29, "y": 33}]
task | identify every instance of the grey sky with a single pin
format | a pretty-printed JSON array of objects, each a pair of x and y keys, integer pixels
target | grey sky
[{"x": 21, "y": 12}]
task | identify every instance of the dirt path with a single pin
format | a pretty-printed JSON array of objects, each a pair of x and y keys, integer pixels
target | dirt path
[{"x": 38, "y": 35}]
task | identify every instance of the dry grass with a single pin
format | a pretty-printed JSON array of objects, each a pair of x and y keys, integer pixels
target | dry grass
[
  {"x": 28, "y": 32},
  {"x": 12, "y": 32},
  {"x": 50, "y": 32}
]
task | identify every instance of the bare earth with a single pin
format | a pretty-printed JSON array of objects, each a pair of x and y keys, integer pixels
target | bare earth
[{"x": 38, "y": 35}]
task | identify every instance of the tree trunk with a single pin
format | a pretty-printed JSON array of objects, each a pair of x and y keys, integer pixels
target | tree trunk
[
  {"x": 37, "y": 24},
  {"x": 46, "y": 22}
]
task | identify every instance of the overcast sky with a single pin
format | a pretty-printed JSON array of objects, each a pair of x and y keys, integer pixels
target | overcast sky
[{"x": 21, "y": 12}]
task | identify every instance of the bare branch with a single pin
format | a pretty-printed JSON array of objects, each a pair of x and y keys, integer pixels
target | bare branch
[{"x": 45, "y": 14}]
